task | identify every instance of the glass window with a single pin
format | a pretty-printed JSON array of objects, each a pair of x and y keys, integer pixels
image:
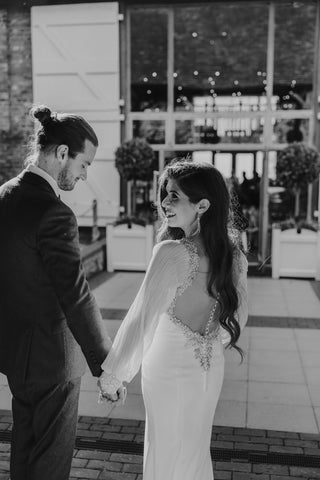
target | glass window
[
  {"x": 223, "y": 162},
  {"x": 220, "y": 53},
  {"x": 148, "y": 60},
  {"x": 294, "y": 55},
  {"x": 220, "y": 130},
  {"x": 290, "y": 130},
  {"x": 152, "y": 130}
]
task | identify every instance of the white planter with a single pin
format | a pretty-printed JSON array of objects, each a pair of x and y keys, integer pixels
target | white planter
[
  {"x": 129, "y": 248},
  {"x": 295, "y": 254}
]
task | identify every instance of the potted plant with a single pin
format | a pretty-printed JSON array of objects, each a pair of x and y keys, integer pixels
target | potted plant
[
  {"x": 296, "y": 241},
  {"x": 130, "y": 238}
]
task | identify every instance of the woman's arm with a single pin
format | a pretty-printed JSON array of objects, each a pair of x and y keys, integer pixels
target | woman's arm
[{"x": 137, "y": 329}]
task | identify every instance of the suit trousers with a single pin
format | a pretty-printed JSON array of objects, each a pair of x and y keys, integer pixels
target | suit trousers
[{"x": 44, "y": 430}]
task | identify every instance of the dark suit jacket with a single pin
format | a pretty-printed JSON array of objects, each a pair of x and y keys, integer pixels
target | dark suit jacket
[{"x": 46, "y": 308}]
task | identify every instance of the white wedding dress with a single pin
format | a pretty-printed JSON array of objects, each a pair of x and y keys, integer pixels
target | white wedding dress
[{"x": 172, "y": 330}]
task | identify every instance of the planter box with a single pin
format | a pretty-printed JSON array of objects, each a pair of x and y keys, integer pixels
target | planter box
[
  {"x": 129, "y": 248},
  {"x": 295, "y": 254},
  {"x": 94, "y": 257}
]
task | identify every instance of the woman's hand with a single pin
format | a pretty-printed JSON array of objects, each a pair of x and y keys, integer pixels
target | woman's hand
[
  {"x": 117, "y": 398},
  {"x": 111, "y": 389}
]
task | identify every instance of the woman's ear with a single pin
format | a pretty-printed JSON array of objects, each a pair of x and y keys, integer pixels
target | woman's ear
[{"x": 203, "y": 206}]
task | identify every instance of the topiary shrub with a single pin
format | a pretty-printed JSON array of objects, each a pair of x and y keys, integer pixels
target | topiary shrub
[
  {"x": 297, "y": 166},
  {"x": 134, "y": 161}
]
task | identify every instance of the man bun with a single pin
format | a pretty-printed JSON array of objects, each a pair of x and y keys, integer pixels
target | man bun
[{"x": 41, "y": 113}]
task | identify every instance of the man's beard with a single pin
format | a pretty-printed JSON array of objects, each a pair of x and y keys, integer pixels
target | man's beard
[{"x": 65, "y": 180}]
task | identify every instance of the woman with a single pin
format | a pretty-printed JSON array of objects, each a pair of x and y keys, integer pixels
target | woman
[{"x": 192, "y": 301}]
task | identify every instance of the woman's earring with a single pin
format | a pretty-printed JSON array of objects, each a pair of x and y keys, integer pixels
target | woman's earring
[
  {"x": 198, "y": 228},
  {"x": 198, "y": 224}
]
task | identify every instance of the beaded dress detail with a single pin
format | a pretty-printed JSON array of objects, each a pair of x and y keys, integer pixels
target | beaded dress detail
[{"x": 202, "y": 344}]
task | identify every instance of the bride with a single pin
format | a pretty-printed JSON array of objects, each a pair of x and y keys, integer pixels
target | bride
[{"x": 192, "y": 302}]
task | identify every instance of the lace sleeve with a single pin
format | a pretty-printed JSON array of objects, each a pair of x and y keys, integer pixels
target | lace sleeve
[
  {"x": 240, "y": 269},
  {"x": 136, "y": 332}
]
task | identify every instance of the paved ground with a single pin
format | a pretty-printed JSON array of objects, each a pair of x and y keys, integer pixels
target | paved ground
[
  {"x": 277, "y": 386},
  {"x": 267, "y": 421},
  {"x": 111, "y": 449}
]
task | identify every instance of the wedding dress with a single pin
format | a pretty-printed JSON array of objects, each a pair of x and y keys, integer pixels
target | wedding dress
[{"x": 171, "y": 330}]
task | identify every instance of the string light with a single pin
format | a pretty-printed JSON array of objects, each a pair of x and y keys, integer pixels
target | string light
[
  {"x": 194, "y": 34},
  {"x": 145, "y": 79},
  {"x": 149, "y": 92},
  {"x": 224, "y": 34},
  {"x": 195, "y": 73},
  {"x": 217, "y": 73},
  {"x": 175, "y": 74},
  {"x": 236, "y": 82},
  {"x": 154, "y": 74},
  {"x": 180, "y": 88}
]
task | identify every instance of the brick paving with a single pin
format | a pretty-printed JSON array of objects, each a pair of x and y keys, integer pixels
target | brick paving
[{"x": 95, "y": 463}]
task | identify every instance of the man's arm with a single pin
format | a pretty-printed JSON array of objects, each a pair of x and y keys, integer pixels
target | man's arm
[{"x": 58, "y": 243}]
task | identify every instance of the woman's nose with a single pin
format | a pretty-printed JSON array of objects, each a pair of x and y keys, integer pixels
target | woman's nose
[{"x": 165, "y": 201}]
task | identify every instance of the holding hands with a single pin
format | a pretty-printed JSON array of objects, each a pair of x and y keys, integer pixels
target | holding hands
[{"x": 111, "y": 389}]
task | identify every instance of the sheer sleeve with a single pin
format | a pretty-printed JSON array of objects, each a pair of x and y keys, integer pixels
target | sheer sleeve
[
  {"x": 240, "y": 269},
  {"x": 165, "y": 272}
]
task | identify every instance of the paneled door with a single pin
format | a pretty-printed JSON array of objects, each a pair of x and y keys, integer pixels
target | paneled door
[{"x": 75, "y": 54}]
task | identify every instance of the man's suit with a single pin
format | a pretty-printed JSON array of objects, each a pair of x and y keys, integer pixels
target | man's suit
[{"x": 48, "y": 320}]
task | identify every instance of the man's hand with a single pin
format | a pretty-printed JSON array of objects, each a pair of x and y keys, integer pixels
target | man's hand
[
  {"x": 111, "y": 389},
  {"x": 115, "y": 399}
]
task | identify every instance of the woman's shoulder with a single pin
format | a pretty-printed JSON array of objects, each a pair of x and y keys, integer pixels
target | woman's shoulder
[{"x": 168, "y": 248}]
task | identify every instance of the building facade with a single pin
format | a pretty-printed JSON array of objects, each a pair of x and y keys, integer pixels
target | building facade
[{"x": 230, "y": 83}]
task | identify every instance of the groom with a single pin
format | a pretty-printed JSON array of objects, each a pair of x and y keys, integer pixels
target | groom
[{"x": 49, "y": 321}]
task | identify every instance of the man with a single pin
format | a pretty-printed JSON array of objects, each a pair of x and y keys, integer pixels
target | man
[{"x": 48, "y": 316}]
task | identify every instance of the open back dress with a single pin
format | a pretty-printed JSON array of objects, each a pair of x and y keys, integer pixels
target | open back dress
[{"x": 172, "y": 330}]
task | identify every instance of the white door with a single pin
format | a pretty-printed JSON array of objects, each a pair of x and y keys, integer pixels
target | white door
[{"x": 75, "y": 55}]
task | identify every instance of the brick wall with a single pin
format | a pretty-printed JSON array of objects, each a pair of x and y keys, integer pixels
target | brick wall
[{"x": 15, "y": 89}]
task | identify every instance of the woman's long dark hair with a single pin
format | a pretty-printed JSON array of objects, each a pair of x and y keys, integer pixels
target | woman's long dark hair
[{"x": 199, "y": 181}]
